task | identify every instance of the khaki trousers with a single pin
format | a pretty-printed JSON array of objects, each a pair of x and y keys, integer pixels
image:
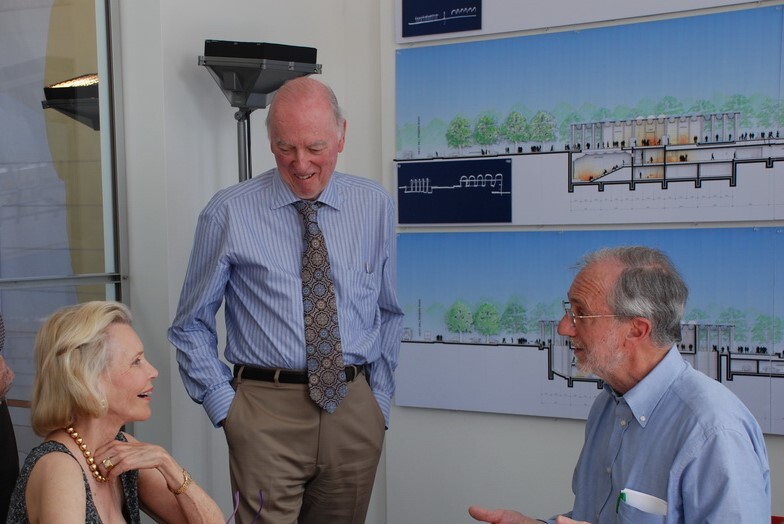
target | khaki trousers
[{"x": 312, "y": 467}]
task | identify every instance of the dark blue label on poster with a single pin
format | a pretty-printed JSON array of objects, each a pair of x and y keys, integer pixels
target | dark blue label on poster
[
  {"x": 455, "y": 192},
  {"x": 432, "y": 17}
]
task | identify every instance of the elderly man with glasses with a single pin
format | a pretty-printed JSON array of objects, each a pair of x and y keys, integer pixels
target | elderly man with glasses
[{"x": 663, "y": 442}]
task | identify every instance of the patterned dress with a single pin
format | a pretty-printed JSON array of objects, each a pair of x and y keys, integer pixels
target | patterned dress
[{"x": 17, "y": 513}]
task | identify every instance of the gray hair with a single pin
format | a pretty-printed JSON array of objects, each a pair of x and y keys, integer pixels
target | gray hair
[{"x": 649, "y": 286}]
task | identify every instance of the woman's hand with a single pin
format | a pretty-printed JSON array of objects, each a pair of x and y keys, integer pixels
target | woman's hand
[
  {"x": 117, "y": 457},
  {"x": 159, "y": 477}
]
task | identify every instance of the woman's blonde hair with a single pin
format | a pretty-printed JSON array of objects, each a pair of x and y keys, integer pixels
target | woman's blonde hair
[{"x": 71, "y": 353}]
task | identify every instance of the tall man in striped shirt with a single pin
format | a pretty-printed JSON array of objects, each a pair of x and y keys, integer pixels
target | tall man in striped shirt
[{"x": 311, "y": 466}]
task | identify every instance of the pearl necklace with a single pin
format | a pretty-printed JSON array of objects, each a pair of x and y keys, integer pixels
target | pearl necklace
[{"x": 87, "y": 455}]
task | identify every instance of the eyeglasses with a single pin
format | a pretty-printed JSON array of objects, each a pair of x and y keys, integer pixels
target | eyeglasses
[{"x": 570, "y": 314}]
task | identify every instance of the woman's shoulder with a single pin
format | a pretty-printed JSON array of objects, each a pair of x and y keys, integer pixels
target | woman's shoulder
[
  {"x": 46, "y": 447},
  {"x": 50, "y": 472},
  {"x": 52, "y": 459}
]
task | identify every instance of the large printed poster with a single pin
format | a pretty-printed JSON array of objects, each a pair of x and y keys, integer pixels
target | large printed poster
[
  {"x": 669, "y": 121},
  {"x": 482, "y": 310}
]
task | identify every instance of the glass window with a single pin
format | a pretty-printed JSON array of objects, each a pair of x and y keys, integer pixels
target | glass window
[{"x": 59, "y": 221}]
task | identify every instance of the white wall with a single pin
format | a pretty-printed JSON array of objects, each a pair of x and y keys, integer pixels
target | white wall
[{"x": 180, "y": 145}]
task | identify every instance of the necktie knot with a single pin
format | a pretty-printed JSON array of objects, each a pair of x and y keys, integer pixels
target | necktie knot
[{"x": 308, "y": 210}]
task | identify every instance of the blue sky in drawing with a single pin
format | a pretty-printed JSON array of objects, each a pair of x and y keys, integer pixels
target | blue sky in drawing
[
  {"x": 738, "y": 267},
  {"x": 691, "y": 58}
]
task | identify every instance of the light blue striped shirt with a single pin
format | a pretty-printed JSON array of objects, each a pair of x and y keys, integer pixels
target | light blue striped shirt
[
  {"x": 248, "y": 252},
  {"x": 681, "y": 437}
]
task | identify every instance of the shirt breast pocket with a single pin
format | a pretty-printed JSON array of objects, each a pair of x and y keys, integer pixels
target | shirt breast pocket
[
  {"x": 359, "y": 290},
  {"x": 630, "y": 515}
]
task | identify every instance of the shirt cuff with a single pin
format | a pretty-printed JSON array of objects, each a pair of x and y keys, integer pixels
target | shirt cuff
[{"x": 217, "y": 403}]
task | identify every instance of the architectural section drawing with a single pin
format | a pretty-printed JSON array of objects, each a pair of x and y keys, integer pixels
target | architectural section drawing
[
  {"x": 455, "y": 192},
  {"x": 433, "y": 17},
  {"x": 664, "y": 150}
]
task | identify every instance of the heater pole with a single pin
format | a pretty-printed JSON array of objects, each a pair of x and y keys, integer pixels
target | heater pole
[{"x": 243, "y": 143}]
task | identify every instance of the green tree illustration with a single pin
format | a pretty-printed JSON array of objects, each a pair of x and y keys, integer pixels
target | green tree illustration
[
  {"x": 459, "y": 319},
  {"x": 543, "y": 127},
  {"x": 486, "y": 320},
  {"x": 601, "y": 114},
  {"x": 542, "y": 312},
  {"x": 735, "y": 317},
  {"x": 769, "y": 114},
  {"x": 701, "y": 107},
  {"x": 486, "y": 130},
  {"x": 406, "y": 137},
  {"x": 669, "y": 105},
  {"x": 515, "y": 128},
  {"x": 565, "y": 129},
  {"x": 767, "y": 330},
  {"x": 779, "y": 115},
  {"x": 458, "y": 133},
  {"x": 742, "y": 104},
  {"x": 513, "y": 319}
]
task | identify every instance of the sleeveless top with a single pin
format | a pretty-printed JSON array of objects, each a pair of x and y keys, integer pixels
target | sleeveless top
[{"x": 17, "y": 513}]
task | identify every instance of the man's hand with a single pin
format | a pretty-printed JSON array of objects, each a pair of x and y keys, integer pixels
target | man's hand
[
  {"x": 499, "y": 516},
  {"x": 507, "y": 516}
]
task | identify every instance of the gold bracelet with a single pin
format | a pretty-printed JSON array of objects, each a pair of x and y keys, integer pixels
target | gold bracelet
[{"x": 185, "y": 483}]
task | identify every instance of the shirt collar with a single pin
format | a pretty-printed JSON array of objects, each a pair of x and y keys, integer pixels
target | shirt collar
[
  {"x": 283, "y": 196},
  {"x": 643, "y": 398}
]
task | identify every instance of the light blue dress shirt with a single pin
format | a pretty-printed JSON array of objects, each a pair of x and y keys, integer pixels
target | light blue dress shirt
[
  {"x": 677, "y": 435},
  {"x": 247, "y": 253}
]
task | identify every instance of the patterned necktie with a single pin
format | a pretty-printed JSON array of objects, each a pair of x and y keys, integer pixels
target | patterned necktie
[{"x": 326, "y": 372}]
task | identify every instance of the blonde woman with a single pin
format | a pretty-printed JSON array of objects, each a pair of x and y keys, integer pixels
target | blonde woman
[{"x": 91, "y": 379}]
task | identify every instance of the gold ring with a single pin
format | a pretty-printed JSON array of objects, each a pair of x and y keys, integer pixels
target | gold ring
[{"x": 107, "y": 463}]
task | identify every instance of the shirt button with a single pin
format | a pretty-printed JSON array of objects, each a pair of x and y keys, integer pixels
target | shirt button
[
  {"x": 643, "y": 418},
  {"x": 623, "y": 423},
  {"x": 608, "y": 470}
]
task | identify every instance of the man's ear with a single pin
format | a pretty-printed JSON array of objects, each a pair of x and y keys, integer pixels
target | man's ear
[
  {"x": 342, "y": 141},
  {"x": 639, "y": 329}
]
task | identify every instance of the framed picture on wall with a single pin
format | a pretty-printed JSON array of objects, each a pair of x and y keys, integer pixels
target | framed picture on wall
[
  {"x": 430, "y": 17},
  {"x": 473, "y": 191}
]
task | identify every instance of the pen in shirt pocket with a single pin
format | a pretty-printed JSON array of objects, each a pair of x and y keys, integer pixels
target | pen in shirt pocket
[
  {"x": 641, "y": 501},
  {"x": 621, "y": 497}
]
